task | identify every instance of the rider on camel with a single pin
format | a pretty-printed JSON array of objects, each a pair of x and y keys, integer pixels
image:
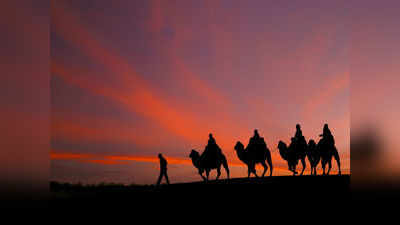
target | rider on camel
[{"x": 327, "y": 135}]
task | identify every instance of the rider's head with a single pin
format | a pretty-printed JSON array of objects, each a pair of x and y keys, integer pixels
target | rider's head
[
  {"x": 159, "y": 155},
  {"x": 326, "y": 126},
  {"x": 210, "y": 135},
  {"x": 256, "y": 131},
  {"x": 297, "y": 126}
]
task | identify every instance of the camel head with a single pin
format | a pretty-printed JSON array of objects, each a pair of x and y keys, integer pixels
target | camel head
[
  {"x": 239, "y": 146},
  {"x": 283, "y": 150},
  {"x": 312, "y": 144},
  {"x": 282, "y": 145},
  {"x": 194, "y": 155}
]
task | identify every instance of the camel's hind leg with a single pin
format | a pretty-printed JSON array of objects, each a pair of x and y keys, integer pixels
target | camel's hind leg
[
  {"x": 323, "y": 164},
  {"x": 330, "y": 166},
  {"x": 265, "y": 168},
  {"x": 218, "y": 172},
  {"x": 207, "y": 174},
  {"x": 225, "y": 164},
  {"x": 337, "y": 158}
]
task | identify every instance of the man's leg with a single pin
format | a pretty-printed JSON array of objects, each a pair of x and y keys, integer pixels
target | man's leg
[
  {"x": 166, "y": 176},
  {"x": 159, "y": 178}
]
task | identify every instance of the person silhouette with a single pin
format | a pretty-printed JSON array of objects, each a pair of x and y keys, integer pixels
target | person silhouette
[
  {"x": 163, "y": 169},
  {"x": 256, "y": 135},
  {"x": 299, "y": 133},
  {"x": 212, "y": 149},
  {"x": 255, "y": 139},
  {"x": 211, "y": 140},
  {"x": 327, "y": 135}
]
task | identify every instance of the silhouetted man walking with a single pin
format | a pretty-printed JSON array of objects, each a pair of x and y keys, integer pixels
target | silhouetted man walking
[{"x": 163, "y": 169}]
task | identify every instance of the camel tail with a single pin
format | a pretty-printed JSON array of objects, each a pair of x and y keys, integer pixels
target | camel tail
[{"x": 225, "y": 164}]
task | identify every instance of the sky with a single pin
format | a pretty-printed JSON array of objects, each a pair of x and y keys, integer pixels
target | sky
[
  {"x": 374, "y": 67},
  {"x": 131, "y": 79},
  {"x": 25, "y": 97}
]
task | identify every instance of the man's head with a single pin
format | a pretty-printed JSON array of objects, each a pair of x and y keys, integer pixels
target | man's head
[
  {"x": 298, "y": 126},
  {"x": 210, "y": 135},
  {"x": 255, "y": 132},
  {"x": 326, "y": 126},
  {"x": 159, "y": 155}
]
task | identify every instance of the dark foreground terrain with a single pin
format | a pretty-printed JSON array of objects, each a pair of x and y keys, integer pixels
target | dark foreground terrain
[{"x": 288, "y": 191}]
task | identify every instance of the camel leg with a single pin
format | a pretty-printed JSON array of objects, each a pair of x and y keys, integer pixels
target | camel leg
[
  {"x": 312, "y": 169},
  {"x": 294, "y": 170},
  {"x": 337, "y": 158},
  {"x": 269, "y": 161},
  {"x": 265, "y": 168},
  {"x": 207, "y": 173},
  {"x": 201, "y": 174},
  {"x": 330, "y": 166},
  {"x": 254, "y": 171},
  {"x": 323, "y": 164},
  {"x": 248, "y": 171},
  {"x": 218, "y": 172},
  {"x": 225, "y": 164},
  {"x": 303, "y": 162},
  {"x": 291, "y": 168}
]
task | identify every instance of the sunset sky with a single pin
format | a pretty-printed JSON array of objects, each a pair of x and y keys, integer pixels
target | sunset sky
[{"x": 131, "y": 79}]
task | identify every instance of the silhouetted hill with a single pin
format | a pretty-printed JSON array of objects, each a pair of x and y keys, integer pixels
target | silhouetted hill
[{"x": 276, "y": 190}]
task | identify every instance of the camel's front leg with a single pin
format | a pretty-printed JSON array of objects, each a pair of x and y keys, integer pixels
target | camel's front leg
[
  {"x": 255, "y": 173},
  {"x": 290, "y": 167},
  {"x": 253, "y": 169},
  {"x": 207, "y": 173},
  {"x": 294, "y": 169},
  {"x": 337, "y": 158},
  {"x": 201, "y": 174},
  {"x": 248, "y": 171}
]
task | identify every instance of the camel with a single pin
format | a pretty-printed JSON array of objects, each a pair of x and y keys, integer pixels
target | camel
[
  {"x": 327, "y": 152},
  {"x": 313, "y": 156},
  {"x": 294, "y": 153},
  {"x": 207, "y": 164},
  {"x": 254, "y": 156}
]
